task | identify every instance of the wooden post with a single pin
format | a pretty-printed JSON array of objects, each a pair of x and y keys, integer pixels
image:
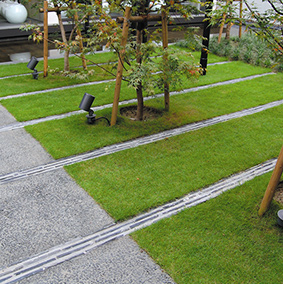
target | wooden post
[
  {"x": 45, "y": 39},
  {"x": 241, "y": 15},
  {"x": 273, "y": 183},
  {"x": 120, "y": 66},
  {"x": 165, "y": 58}
]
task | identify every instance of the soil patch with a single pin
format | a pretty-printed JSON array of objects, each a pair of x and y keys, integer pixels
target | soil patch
[
  {"x": 278, "y": 196},
  {"x": 148, "y": 112}
]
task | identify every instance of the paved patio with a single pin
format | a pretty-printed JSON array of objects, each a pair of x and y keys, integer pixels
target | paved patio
[{"x": 46, "y": 210}]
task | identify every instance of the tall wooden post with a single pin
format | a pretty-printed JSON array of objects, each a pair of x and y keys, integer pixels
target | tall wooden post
[
  {"x": 165, "y": 46},
  {"x": 45, "y": 39},
  {"x": 119, "y": 75},
  {"x": 273, "y": 183}
]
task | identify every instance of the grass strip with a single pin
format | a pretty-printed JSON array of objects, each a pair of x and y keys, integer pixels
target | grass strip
[
  {"x": 101, "y": 57},
  {"x": 16, "y": 85},
  {"x": 52, "y": 103},
  {"x": 129, "y": 182},
  {"x": 73, "y": 135},
  {"x": 220, "y": 241},
  {"x": 26, "y": 84},
  {"x": 21, "y": 68}
]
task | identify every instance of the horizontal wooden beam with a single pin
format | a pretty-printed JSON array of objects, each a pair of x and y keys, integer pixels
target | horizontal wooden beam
[
  {"x": 137, "y": 19},
  {"x": 41, "y": 10}
]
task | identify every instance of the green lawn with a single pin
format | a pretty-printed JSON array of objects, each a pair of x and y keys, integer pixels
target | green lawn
[
  {"x": 25, "y": 84},
  {"x": 21, "y": 68},
  {"x": 73, "y": 135},
  {"x": 62, "y": 101},
  {"x": 220, "y": 241},
  {"x": 130, "y": 182}
]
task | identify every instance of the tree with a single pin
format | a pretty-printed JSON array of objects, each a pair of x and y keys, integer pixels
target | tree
[
  {"x": 137, "y": 55},
  {"x": 78, "y": 13},
  {"x": 144, "y": 70},
  {"x": 224, "y": 13}
]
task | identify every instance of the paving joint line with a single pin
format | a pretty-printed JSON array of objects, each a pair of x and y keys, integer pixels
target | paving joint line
[
  {"x": 18, "y": 125},
  {"x": 82, "y": 245},
  {"x": 111, "y": 149}
]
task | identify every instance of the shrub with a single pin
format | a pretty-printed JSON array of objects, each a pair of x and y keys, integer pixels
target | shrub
[{"x": 248, "y": 48}]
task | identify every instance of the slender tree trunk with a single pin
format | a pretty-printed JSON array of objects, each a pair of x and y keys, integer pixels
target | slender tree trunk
[
  {"x": 139, "y": 89},
  {"x": 165, "y": 58},
  {"x": 81, "y": 40},
  {"x": 141, "y": 38},
  {"x": 63, "y": 34},
  {"x": 228, "y": 30},
  {"x": 120, "y": 66},
  {"x": 229, "y": 25}
]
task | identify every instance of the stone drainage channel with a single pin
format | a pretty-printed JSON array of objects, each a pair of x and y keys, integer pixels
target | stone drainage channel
[
  {"x": 80, "y": 246},
  {"x": 77, "y": 247},
  {"x": 57, "y": 164}
]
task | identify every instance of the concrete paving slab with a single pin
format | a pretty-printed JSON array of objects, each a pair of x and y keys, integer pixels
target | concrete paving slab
[
  {"x": 5, "y": 117},
  {"x": 43, "y": 211},
  {"x": 19, "y": 150}
]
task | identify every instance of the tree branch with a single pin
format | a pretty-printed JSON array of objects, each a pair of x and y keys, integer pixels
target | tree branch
[
  {"x": 264, "y": 28},
  {"x": 275, "y": 8}
]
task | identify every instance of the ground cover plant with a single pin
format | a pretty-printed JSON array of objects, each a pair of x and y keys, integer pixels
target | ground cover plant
[
  {"x": 220, "y": 241},
  {"x": 248, "y": 48},
  {"x": 55, "y": 102}
]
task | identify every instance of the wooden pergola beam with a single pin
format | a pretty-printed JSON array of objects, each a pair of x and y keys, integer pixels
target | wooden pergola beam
[
  {"x": 55, "y": 9},
  {"x": 139, "y": 19}
]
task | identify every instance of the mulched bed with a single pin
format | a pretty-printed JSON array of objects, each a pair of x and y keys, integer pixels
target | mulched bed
[
  {"x": 278, "y": 196},
  {"x": 148, "y": 112}
]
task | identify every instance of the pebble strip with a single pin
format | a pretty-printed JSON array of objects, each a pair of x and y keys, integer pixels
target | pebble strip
[
  {"x": 57, "y": 164},
  {"x": 61, "y": 116},
  {"x": 81, "y": 246}
]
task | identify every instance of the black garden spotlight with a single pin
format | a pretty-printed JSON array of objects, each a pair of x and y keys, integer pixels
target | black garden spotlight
[
  {"x": 85, "y": 105},
  {"x": 31, "y": 65},
  {"x": 280, "y": 217}
]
